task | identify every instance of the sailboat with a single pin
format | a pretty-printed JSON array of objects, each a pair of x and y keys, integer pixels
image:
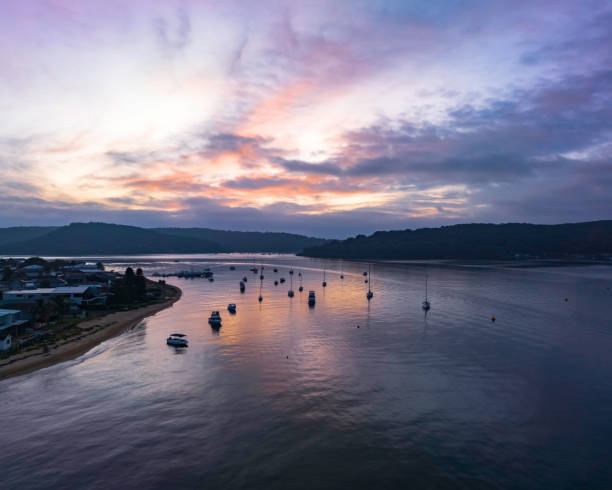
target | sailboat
[
  {"x": 324, "y": 283},
  {"x": 301, "y": 288},
  {"x": 426, "y": 303},
  {"x": 290, "y": 292},
  {"x": 341, "y": 271},
  {"x": 370, "y": 293},
  {"x": 260, "y": 299}
]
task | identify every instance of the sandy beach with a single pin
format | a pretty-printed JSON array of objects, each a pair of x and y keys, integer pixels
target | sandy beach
[{"x": 95, "y": 331}]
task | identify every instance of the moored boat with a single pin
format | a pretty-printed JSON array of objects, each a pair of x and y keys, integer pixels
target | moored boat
[
  {"x": 311, "y": 298},
  {"x": 177, "y": 340},
  {"x": 215, "y": 319},
  {"x": 426, "y": 304}
]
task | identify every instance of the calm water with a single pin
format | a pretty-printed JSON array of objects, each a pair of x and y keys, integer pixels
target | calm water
[{"x": 450, "y": 400}]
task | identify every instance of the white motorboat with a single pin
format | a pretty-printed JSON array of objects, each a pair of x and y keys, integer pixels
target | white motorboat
[{"x": 177, "y": 340}]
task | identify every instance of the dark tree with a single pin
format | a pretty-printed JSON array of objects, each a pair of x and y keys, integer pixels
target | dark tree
[
  {"x": 140, "y": 283},
  {"x": 129, "y": 276}
]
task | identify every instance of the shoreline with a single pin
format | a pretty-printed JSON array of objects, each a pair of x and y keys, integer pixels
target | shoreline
[{"x": 101, "y": 329}]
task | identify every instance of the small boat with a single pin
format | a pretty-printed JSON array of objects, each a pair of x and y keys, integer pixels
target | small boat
[
  {"x": 311, "y": 298},
  {"x": 370, "y": 293},
  {"x": 290, "y": 292},
  {"x": 290, "y": 272},
  {"x": 324, "y": 283},
  {"x": 426, "y": 303},
  {"x": 275, "y": 269},
  {"x": 254, "y": 270},
  {"x": 282, "y": 280},
  {"x": 242, "y": 287},
  {"x": 260, "y": 299},
  {"x": 232, "y": 268},
  {"x": 231, "y": 307},
  {"x": 261, "y": 277},
  {"x": 211, "y": 279},
  {"x": 276, "y": 283},
  {"x": 365, "y": 273},
  {"x": 301, "y": 288},
  {"x": 342, "y": 271},
  {"x": 177, "y": 340},
  {"x": 244, "y": 279},
  {"x": 215, "y": 319}
]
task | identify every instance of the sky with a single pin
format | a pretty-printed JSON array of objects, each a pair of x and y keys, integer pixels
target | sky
[{"x": 328, "y": 118}]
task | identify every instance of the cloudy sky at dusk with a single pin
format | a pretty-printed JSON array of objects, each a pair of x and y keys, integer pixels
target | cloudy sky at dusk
[{"x": 328, "y": 118}]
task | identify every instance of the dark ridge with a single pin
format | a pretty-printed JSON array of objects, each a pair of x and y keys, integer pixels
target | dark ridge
[
  {"x": 475, "y": 241},
  {"x": 248, "y": 241},
  {"x": 102, "y": 238}
]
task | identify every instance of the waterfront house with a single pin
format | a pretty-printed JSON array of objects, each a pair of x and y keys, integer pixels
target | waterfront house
[
  {"x": 6, "y": 341},
  {"x": 10, "y": 320},
  {"x": 88, "y": 294}
]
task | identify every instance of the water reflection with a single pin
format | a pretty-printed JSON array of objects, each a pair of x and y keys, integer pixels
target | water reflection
[{"x": 283, "y": 391}]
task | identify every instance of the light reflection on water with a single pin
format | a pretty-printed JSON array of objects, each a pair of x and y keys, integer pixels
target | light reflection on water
[{"x": 284, "y": 395}]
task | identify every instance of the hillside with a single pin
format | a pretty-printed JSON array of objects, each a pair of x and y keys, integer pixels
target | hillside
[
  {"x": 22, "y": 233},
  {"x": 101, "y": 238},
  {"x": 475, "y": 241},
  {"x": 248, "y": 241}
]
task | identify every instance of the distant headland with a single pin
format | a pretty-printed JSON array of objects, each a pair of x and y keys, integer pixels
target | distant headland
[{"x": 590, "y": 240}]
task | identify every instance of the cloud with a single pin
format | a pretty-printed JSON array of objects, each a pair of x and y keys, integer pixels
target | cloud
[{"x": 325, "y": 115}]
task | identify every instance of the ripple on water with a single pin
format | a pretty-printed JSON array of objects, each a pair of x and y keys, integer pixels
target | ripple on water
[{"x": 284, "y": 395}]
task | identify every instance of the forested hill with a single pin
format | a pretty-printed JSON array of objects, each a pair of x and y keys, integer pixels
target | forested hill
[
  {"x": 23, "y": 233},
  {"x": 248, "y": 241},
  {"x": 103, "y": 238},
  {"x": 475, "y": 241}
]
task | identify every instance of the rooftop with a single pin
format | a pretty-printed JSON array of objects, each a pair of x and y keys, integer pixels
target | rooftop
[
  {"x": 58, "y": 290},
  {"x": 8, "y": 312}
]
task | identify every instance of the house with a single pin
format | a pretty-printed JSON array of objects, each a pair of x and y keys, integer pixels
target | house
[
  {"x": 9, "y": 321},
  {"x": 86, "y": 294},
  {"x": 33, "y": 270},
  {"x": 6, "y": 341},
  {"x": 89, "y": 276}
]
